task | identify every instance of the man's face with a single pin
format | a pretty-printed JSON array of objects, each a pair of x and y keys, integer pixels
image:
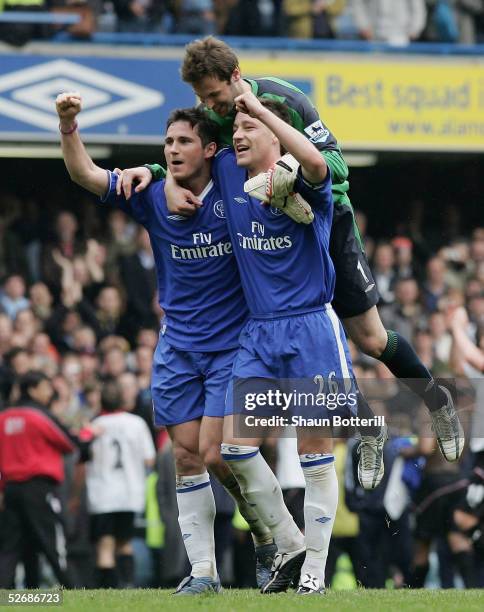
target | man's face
[
  {"x": 215, "y": 94},
  {"x": 42, "y": 393},
  {"x": 253, "y": 143},
  {"x": 184, "y": 151}
]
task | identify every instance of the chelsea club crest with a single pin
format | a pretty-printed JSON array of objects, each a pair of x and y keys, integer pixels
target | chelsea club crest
[{"x": 218, "y": 209}]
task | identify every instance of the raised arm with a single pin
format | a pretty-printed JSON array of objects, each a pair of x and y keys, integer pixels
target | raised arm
[
  {"x": 80, "y": 166},
  {"x": 462, "y": 345},
  {"x": 313, "y": 165}
]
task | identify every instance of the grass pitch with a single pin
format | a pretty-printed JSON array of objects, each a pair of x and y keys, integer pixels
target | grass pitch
[{"x": 230, "y": 600}]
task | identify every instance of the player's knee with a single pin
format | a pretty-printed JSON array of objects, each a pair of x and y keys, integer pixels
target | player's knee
[
  {"x": 459, "y": 542},
  {"x": 464, "y": 520},
  {"x": 371, "y": 344},
  {"x": 187, "y": 461},
  {"x": 105, "y": 551},
  {"x": 211, "y": 456}
]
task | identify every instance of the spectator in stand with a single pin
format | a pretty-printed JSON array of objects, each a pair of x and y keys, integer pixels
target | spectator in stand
[
  {"x": 458, "y": 262},
  {"x": 12, "y": 256},
  {"x": 92, "y": 395},
  {"x": 84, "y": 340},
  {"x": 138, "y": 276},
  {"x": 325, "y": 13},
  {"x": 244, "y": 19},
  {"x": 120, "y": 241},
  {"x": 362, "y": 223},
  {"x": 441, "y": 337},
  {"x": 311, "y": 18},
  {"x": 114, "y": 362},
  {"x": 435, "y": 286},
  {"x": 44, "y": 354},
  {"x": 454, "y": 20},
  {"x": 67, "y": 243},
  {"x": 19, "y": 361},
  {"x": 395, "y": 23},
  {"x": 298, "y": 17},
  {"x": 12, "y": 296},
  {"x": 128, "y": 384},
  {"x": 144, "y": 360},
  {"x": 133, "y": 402},
  {"x": 140, "y": 15},
  {"x": 405, "y": 264},
  {"x": 41, "y": 301},
  {"x": 6, "y": 331},
  {"x": 109, "y": 316},
  {"x": 25, "y": 326},
  {"x": 195, "y": 17},
  {"x": 383, "y": 269},
  {"x": 405, "y": 313}
]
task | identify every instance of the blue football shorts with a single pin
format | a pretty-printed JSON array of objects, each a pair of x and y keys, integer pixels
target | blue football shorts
[
  {"x": 305, "y": 352},
  {"x": 187, "y": 385}
]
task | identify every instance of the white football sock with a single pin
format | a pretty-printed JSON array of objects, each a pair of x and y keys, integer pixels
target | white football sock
[
  {"x": 261, "y": 534},
  {"x": 320, "y": 503},
  {"x": 261, "y": 489},
  {"x": 196, "y": 515}
]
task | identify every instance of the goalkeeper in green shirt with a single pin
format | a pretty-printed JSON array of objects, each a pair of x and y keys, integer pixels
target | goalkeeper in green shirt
[{"x": 211, "y": 67}]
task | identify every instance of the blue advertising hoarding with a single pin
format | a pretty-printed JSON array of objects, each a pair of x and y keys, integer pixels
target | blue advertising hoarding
[{"x": 124, "y": 100}]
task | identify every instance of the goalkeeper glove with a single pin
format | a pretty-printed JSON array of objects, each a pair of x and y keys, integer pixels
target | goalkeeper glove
[{"x": 276, "y": 187}]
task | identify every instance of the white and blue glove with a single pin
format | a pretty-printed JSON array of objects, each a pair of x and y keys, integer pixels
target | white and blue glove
[{"x": 276, "y": 187}]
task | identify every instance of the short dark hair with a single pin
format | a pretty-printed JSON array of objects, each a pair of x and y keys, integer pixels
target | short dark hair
[
  {"x": 279, "y": 109},
  {"x": 197, "y": 118},
  {"x": 12, "y": 353},
  {"x": 208, "y": 57},
  {"x": 111, "y": 395},
  {"x": 30, "y": 379}
]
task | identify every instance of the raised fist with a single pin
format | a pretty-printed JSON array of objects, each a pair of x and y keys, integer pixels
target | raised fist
[{"x": 68, "y": 105}]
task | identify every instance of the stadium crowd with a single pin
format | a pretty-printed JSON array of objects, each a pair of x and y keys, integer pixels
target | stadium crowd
[
  {"x": 78, "y": 303},
  {"x": 450, "y": 21}
]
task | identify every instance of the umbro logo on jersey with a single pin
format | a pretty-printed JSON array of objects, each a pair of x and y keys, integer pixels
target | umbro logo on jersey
[
  {"x": 323, "y": 519},
  {"x": 177, "y": 218},
  {"x": 218, "y": 209},
  {"x": 240, "y": 200}
]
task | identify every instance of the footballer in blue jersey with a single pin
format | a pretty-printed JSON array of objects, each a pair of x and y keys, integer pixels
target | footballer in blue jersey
[
  {"x": 200, "y": 292},
  {"x": 285, "y": 267},
  {"x": 202, "y": 322},
  {"x": 293, "y": 333}
]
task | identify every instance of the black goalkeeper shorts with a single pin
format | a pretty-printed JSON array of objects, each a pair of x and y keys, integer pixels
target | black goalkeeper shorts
[
  {"x": 120, "y": 525},
  {"x": 437, "y": 497},
  {"x": 356, "y": 290}
]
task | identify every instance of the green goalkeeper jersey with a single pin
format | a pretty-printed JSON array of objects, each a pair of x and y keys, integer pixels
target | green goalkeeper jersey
[{"x": 304, "y": 118}]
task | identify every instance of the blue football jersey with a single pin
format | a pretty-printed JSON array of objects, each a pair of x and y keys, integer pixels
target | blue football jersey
[
  {"x": 284, "y": 266},
  {"x": 198, "y": 281}
]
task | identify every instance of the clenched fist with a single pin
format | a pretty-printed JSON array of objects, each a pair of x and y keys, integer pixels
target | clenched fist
[{"x": 68, "y": 105}]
